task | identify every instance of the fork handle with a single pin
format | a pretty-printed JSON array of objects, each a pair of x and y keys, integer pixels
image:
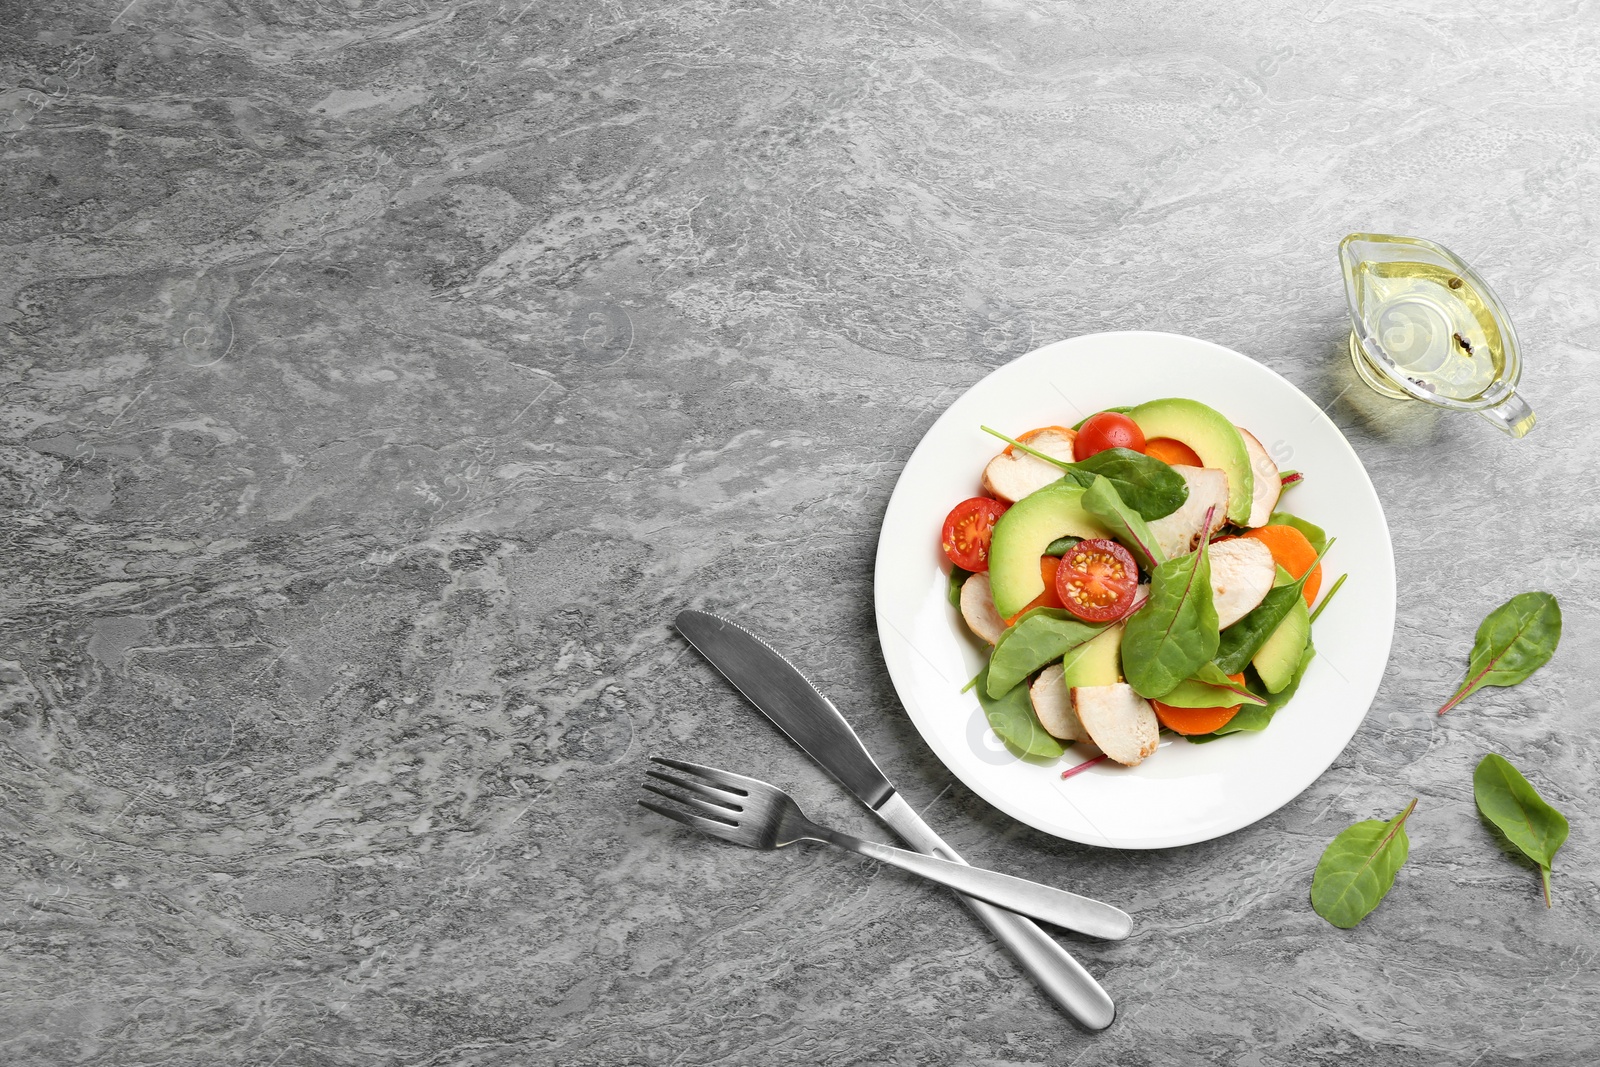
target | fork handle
[
  {"x": 1061, "y": 977},
  {"x": 1054, "y": 906}
]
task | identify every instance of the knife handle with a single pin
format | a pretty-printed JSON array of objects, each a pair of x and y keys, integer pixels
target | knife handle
[{"x": 1061, "y": 977}]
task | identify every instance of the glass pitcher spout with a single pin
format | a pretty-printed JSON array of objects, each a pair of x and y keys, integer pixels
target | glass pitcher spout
[{"x": 1425, "y": 326}]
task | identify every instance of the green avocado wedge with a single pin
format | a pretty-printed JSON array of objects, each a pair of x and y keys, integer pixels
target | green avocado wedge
[
  {"x": 1023, "y": 534},
  {"x": 1213, "y": 437}
]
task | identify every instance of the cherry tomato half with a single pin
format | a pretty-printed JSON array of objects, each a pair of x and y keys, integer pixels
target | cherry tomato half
[
  {"x": 1097, "y": 580},
  {"x": 1107, "y": 430},
  {"x": 967, "y": 530}
]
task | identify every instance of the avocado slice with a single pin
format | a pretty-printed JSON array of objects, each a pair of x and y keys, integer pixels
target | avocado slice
[
  {"x": 1278, "y": 658},
  {"x": 1022, "y": 535},
  {"x": 1097, "y": 661},
  {"x": 1213, "y": 437}
]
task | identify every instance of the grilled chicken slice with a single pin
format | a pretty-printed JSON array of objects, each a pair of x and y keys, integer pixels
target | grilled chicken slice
[
  {"x": 1268, "y": 480},
  {"x": 977, "y": 609},
  {"x": 1242, "y": 573},
  {"x": 1179, "y": 533},
  {"x": 1052, "y": 703},
  {"x": 1013, "y": 476},
  {"x": 1118, "y": 720}
]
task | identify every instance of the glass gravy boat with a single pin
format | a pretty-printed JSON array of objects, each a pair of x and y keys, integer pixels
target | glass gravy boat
[{"x": 1425, "y": 327}]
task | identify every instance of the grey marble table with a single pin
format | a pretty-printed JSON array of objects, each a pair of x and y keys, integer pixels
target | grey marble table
[{"x": 381, "y": 376}]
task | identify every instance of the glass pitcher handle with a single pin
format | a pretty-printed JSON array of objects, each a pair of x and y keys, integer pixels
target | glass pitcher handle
[{"x": 1512, "y": 415}]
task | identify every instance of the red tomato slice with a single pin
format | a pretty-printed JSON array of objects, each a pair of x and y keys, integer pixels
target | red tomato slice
[
  {"x": 1107, "y": 430},
  {"x": 1097, "y": 580},
  {"x": 967, "y": 530}
]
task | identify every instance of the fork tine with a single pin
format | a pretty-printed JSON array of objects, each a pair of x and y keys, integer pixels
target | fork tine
[
  {"x": 727, "y": 817},
  {"x": 726, "y": 779},
  {"x": 720, "y": 796},
  {"x": 695, "y": 822}
]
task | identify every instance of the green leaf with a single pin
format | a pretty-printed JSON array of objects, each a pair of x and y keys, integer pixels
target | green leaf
[
  {"x": 1515, "y": 640},
  {"x": 1035, "y": 639},
  {"x": 1061, "y": 546},
  {"x": 1175, "y": 633},
  {"x": 1193, "y": 693},
  {"x": 1516, "y": 808},
  {"x": 1100, "y": 499},
  {"x": 1244, "y": 639},
  {"x": 1145, "y": 484},
  {"x": 1253, "y": 718},
  {"x": 1357, "y": 869},
  {"x": 1086, "y": 418},
  {"x": 1012, "y": 719},
  {"x": 958, "y": 578}
]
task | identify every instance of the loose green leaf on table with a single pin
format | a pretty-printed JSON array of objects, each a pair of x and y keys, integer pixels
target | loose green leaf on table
[
  {"x": 1012, "y": 719},
  {"x": 1037, "y": 638},
  {"x": 1145, "y": 484},
  {"x": 1357, "y": 869},
  {"x": 1509, "y": 802},
  {"x": 1100, "y": 499},
  {"x": 1515, "y": 640},
  {"x": 958, "y": 578},
  {"x": 1175, "y": 633},
  {"x": 1244, "y": 638}
]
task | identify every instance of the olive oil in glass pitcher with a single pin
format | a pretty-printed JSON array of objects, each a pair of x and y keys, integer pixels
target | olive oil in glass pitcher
[{"x": 1425, "y": 327}]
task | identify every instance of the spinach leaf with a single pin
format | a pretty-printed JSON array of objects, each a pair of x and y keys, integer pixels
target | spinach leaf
[
  {"x": 1102, "y": 501},
  {"x": 1175, "y": 633},
  {"x": 1193, "y": 693},
  {"x": 1144, "y": 483},
  {"x": 1012, "y": 719},
  {"x": 1506, "y": 799},
  {"x": 1038, "y": 637},
  {"x": 1244, "y": 638},
  {"x": 958, "y": 578},
  {"x": 1515, "y": 640},
  {"x": 1357, "y": 869},
  {"x": 1253, "y": 718},
  {"x": 1061, "y": 546}
]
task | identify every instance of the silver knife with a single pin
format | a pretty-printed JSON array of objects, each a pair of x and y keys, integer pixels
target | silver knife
[{"x": 782, "y": 694}]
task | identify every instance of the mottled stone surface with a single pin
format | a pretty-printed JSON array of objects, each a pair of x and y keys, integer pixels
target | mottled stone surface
[{"x": 381, "y": 376}]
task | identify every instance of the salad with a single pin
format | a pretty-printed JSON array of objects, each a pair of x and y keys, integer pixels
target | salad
[{"x": 1135, "y": 574}]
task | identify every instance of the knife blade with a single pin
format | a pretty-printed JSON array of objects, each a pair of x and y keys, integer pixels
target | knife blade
[{"x": 781, "y": 693}]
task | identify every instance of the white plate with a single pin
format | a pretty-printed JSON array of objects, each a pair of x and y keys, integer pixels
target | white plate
[{"x": 1184, "y": 793}]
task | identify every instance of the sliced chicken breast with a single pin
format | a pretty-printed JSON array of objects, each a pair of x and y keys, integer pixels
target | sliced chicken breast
[
  {"x": 1268, "y": 480},
  {"x": 1179, "y": 533},
  {"x": 1052, "y": 703},
  {"x": 1012, "y": 477},
  {"x": 977, "y": 609},
  {"x": 1242, "y": 572},
  {"x": 1118, "y": 720}
]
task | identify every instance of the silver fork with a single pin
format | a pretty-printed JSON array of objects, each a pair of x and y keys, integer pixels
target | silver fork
[{"x": 757, "y": 815}]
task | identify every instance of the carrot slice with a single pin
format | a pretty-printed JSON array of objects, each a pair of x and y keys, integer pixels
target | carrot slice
[
  {"x": 1197, "y": 720},
  {"x": 1171, "y": 451},
  {"x": 1027, "y": 438},
  {"x": 1292, "y": 551},
  {"x": 1048, "y": 598}
]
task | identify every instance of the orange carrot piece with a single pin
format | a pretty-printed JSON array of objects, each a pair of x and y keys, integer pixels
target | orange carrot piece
[
  {"x": 1197, "y": 720},
  {"x": 1172, "y": 452},
  {"x": 1293, "y": 552}
]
